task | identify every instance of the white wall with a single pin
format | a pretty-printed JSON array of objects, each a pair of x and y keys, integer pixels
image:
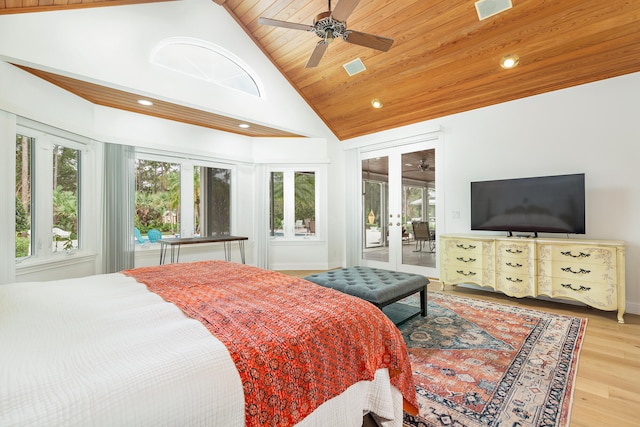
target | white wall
[
  {"x": 112, "y": 46},
  {"x": 592, "y": 128},
  {"x": 30, "y": 97}
]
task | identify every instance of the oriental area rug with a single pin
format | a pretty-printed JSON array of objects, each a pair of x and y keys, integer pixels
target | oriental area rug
[{"x": 478, "y": 363}]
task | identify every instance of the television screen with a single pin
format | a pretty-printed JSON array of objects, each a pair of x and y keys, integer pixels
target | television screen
[{"x": 551, "y": 204}]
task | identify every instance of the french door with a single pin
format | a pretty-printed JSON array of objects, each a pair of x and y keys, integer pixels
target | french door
[{"x": 398, "y": 210}]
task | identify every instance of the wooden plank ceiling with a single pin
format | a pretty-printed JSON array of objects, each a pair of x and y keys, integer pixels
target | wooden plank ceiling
[
  {"x": 444, "y": 60},
  {"x": 24, "y": 6}
]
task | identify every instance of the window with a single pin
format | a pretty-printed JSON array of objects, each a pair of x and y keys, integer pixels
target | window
[
  {"x": 207, "y": 61},
  {"x": 293, "y": 204},
  {"x": 157, "y": 199},
  {"x": 24, "y": 146},
  {"x": 65, "y": 197},
  {"x": 48, "y": 202},
  {"x": 164, "y": 191},
  {"x": 213, "y": 210}
]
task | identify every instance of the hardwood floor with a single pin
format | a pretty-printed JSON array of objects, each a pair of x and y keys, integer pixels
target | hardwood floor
[{"x": 607, "y": 387}]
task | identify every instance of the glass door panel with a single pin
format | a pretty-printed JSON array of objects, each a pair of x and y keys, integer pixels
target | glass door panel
[
  {"x": 375, "y": 190},
  {"x": 418, "y": 208}
]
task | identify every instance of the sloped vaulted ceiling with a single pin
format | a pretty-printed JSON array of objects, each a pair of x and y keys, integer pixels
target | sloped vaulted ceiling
[{"x": 444, "y": 59}]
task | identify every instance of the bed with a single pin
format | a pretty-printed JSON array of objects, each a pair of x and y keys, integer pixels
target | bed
[{"x": 209, "y": 343}]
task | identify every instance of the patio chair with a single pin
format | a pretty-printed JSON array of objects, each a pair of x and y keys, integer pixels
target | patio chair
[
  {"x": 154, "y": 235},
  {"x": 422, "y": 234},
  {"x": 139, "y": 239}
]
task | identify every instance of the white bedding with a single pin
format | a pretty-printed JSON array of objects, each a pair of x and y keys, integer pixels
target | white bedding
[{"x": 103, "y": 350}]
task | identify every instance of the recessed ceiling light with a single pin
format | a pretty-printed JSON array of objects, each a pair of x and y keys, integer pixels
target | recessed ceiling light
[
  {"x": 145, "y": 102},
  {"x": 509, "y": 61},
  {"x": 243, "y": 125},
  {"x": 376, "y": 103}
]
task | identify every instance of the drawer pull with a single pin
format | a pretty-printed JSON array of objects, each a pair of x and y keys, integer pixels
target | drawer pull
[
  {"x": 580, "y": 255},
  {"x": 513, "y": 251},
  {"x": 466, "y": 260},
  {"x": 516, "y": 265},
  {"x": 468, "y": 273},
  {"x": 578, "y": 289},
  {"x": 516, "y": 280},
  {"x": 570, "y": 270},
  {"x": 465, "y": 247}
]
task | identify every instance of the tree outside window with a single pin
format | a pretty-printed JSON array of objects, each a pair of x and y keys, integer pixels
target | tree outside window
[
  {"x": 292, "y": 204},
  {"x": 23, "y": 195},
  {"x": 157, "y": 197},
  {"x": 58, "y": 186},
  {"x": 65, "y": 197}
]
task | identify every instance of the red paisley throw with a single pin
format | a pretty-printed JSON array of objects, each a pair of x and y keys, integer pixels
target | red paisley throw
[{"x": 295, "y": 344}]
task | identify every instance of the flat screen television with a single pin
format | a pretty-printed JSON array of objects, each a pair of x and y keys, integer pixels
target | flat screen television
[{"x": 549, "y": 204}]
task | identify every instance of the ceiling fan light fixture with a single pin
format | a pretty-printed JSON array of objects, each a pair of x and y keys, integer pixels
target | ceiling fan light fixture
[
  {"x": 509, "y": 61},
  {"x": 329, "y": 35},
  {"x": 376, "y": 103}
]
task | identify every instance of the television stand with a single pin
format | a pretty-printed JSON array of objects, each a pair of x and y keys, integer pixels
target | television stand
[
  {"x": 589, "y": 271},
  {"x": 510, "y": 234}
]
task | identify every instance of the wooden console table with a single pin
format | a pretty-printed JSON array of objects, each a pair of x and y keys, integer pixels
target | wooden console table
[{"x": 176, "y": 243}]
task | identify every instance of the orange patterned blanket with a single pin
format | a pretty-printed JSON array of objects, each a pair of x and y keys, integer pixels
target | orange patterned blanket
[{"x": 295, "y": 344}]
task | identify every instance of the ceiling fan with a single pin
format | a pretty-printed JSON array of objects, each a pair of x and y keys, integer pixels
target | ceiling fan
[
  {"x": 330, "y": 25},
  {"x": 423, "y": 166}
]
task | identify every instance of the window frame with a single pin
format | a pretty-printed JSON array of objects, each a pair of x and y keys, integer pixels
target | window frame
[
  {"x": 171, "y": 160},
  {"x": 289, "y": 219},
  {"x": 232, "y": 186},
  {"x": 42, "y": 189},
  {"x": 187, "y": 166}
]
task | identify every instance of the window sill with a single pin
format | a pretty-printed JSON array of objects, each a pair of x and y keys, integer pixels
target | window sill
[{"x": 34, "y": 265}]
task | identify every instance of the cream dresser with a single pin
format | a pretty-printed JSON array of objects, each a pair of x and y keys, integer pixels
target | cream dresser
[{"x": 589, "y": 271}]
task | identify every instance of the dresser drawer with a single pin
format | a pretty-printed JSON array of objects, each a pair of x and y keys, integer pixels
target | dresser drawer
[
  {"x": 579, "y": 254},
  {"x": 602, "y": 295},
  {"x": 515, "y": 249},
  {"x": 585, "y": 273},
  {"x": 578, "y": 263},
  {"x": 516, "y": 284},
  {"x": 469, "y": 254},
  {"x": 454, "y": 274}
]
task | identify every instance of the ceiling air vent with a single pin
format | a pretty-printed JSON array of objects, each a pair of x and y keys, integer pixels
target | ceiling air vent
[
  {"x": 487, "y": 8},
  {"x": 354, "y": 67}
]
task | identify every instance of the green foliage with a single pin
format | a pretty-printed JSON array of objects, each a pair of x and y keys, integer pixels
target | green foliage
[
  {"x": 305, "y": 195},
  {"x": 22, "y": 219},
  {"x": 65, "y": 210},
  {"x": 22, "y": 246},
  {"x": 157, "y": 191},
  {"x": 65, "y": 164}
]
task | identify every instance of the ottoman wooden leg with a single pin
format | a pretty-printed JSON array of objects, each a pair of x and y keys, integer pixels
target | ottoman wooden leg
[{"x": 423, "y": 302}]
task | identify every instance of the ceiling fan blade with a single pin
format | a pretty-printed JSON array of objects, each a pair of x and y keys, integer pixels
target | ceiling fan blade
[
  {"x": 343, "y": 9},
  {"x": 284, "y": 24},
  {"x": 369, "y": 40},
  {"x": 317, "y": 53}
]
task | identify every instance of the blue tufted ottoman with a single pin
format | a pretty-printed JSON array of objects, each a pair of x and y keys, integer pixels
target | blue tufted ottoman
[{"x": 379, "y": 287}]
